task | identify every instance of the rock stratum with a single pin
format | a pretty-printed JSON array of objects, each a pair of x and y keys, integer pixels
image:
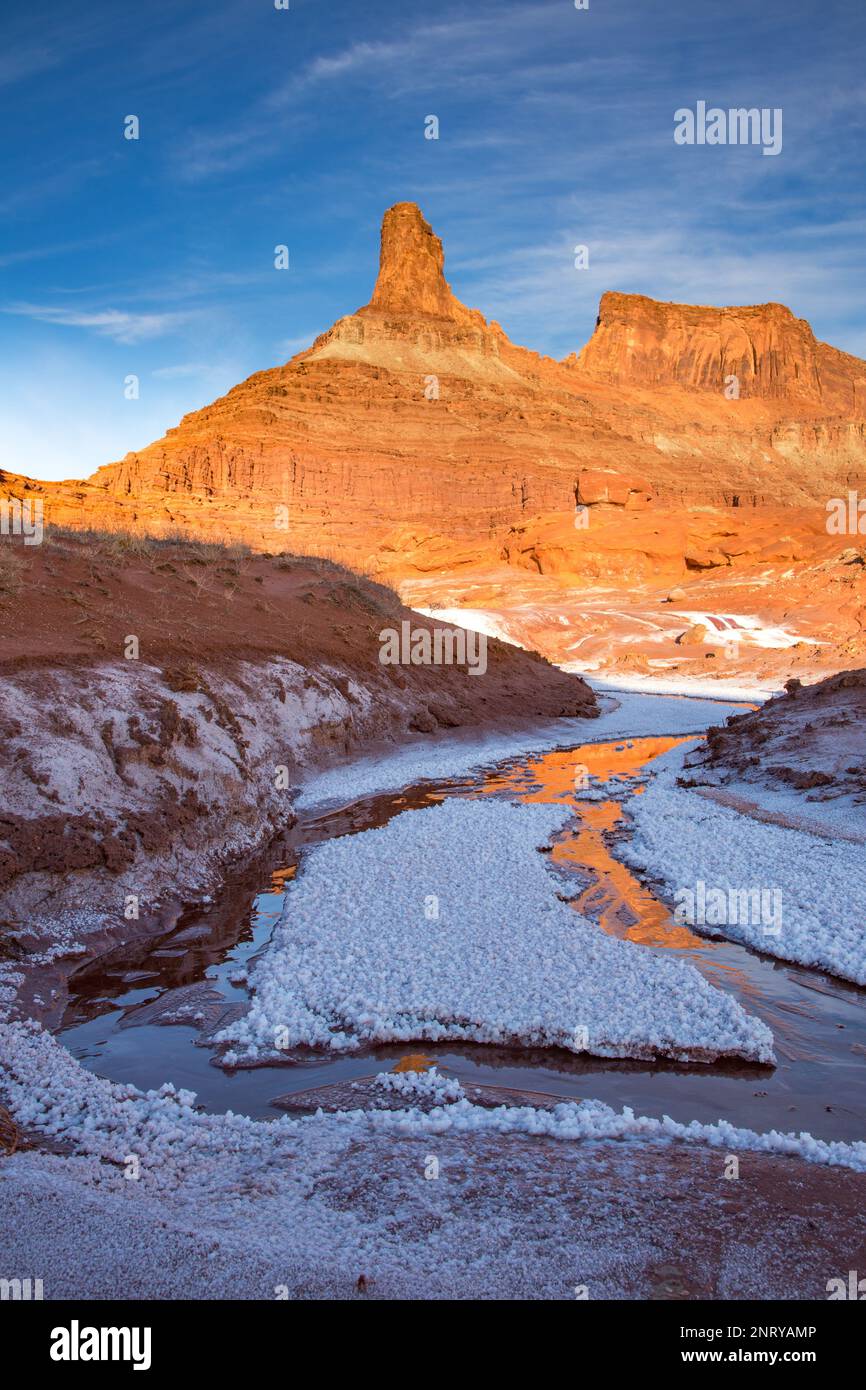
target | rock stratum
[
  {"x": 767, "y": 351},
  {"x": 414, "y": 440}
]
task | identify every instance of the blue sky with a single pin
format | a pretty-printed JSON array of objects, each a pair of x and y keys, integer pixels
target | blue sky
[{"x": 262, "y": 126}]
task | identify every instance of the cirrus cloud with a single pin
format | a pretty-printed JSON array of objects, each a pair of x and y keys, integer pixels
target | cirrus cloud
[{"x": 117, "y": 324}]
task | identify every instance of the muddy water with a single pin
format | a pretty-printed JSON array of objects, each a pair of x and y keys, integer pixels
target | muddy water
[{"x": 819, "y": 1024}]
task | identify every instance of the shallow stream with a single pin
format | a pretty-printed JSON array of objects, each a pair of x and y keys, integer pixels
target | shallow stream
[{"x": 819, "y": 1023}]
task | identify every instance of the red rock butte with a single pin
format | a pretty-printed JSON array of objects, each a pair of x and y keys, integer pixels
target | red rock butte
[{"x": 414, "y": 436}]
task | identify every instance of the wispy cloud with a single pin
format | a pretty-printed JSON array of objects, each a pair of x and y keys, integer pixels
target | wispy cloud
[
  {"x": 53, "y": 249},
  {"x": 181, "y": 370},
  {"x": 288, "y": 347},
  {"x": 17, "y": 65},
  {"x": 59, "y": 183},
  {"x": 438, "y": 56},
  {"x": 261, "y": 127},
  {"x": 108, "y": 323}
]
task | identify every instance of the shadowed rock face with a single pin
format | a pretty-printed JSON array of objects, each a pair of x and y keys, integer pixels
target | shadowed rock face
[
  {"x": 414, "y": 437},
  {"x": 809, "y": 742}
]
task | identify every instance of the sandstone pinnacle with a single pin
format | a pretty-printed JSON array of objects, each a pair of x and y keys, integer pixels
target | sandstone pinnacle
[{"x": 411, "y": 277}]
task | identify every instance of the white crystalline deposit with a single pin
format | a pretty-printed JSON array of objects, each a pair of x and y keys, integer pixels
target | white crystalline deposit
[
  {"x": 91, "y": 762},
  {"x": 424, "y": 1085},
  {"x": 817, "y": 886},
  {"x": 635, "y": 716},
  {"x": 48, "y": 1090},
  {"x": 592, "y": 1119},
  {"x": 228, "y": 1207},
  {"x": 445, "y": 924}
]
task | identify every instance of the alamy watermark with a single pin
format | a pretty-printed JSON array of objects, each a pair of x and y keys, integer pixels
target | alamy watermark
[
  {"x": 22, "y": 518},
  {"x": 846, "y": 516},
  {"x": 852, "y": 1288},
  {"x": 20, "y": 1290},
  {"x": 729, "y": 907},
  {"x": 736, "y": 126},
  {"x": 77, "y": 1343},
  {"x": 444, "y": 646}
]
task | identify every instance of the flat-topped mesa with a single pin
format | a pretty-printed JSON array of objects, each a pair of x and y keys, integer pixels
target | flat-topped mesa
[{"x": 757, "y": 350}]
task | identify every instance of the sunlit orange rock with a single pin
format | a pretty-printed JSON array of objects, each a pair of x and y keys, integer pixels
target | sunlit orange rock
[
  {"x": 415, "y": 441},
  {"x": 756, "y": 349}
]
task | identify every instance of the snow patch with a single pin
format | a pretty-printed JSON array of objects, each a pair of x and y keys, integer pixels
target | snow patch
[{"x": 474, "y": 620}]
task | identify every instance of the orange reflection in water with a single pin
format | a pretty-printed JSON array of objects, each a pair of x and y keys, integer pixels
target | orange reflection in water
[
  {"x": 415, "y": 1061},
  {"x": 614, "y": 897}
]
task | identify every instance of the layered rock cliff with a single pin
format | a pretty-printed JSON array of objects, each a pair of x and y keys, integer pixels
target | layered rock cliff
[
  {"x": 762, "y": 347},
  {"x": 413, "y": 435}
]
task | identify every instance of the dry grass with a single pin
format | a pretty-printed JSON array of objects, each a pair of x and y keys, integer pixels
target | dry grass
[
  {"x": 10, "y": 1135},
  {"x": 198, "y": 581},
  {"x": 380, "y": 591},
  {"x": 121, "y": 545},
  {"x": 232, "y": 558}
]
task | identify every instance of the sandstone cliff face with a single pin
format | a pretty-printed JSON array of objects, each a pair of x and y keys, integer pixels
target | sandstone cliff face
[
  {"x": 414, "y": 322},
  {"x": 414, "y": 435},
  {"x": 771, "y": 353}
]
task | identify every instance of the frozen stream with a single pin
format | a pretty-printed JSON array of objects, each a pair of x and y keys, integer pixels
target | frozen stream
[{"x": 112, "y": 1023}]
